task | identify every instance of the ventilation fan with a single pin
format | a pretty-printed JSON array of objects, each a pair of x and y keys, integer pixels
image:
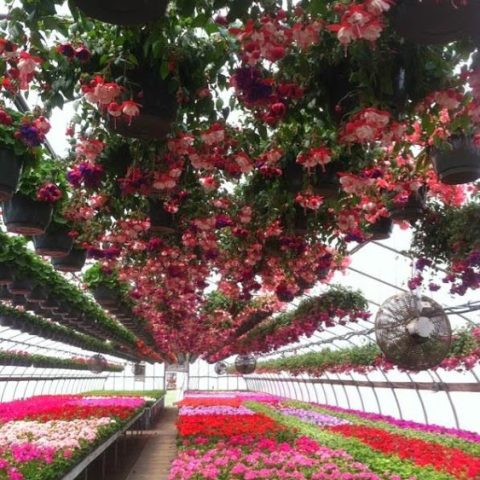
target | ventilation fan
[
  {"x": 220, "y": 368},
  {"x": 413, "y": 332},
  {"x": 245, "y": 364}
]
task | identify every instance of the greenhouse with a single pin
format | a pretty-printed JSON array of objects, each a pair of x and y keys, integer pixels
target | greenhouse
[{"x": 239, "y": 239}]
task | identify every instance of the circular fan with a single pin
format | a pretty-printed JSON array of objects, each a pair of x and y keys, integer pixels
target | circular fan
[
  {"x": 413, "y": 332},
  {"x": 97, "y": 364},
  {"x": 220, "y": 368},
  {"x": 245, "y": 364}
]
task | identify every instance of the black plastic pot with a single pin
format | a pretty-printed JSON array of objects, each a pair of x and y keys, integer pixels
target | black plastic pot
[
  {"x": 105, "y": 296},
  {"x": 435, "y": 21},
  {"x": 381, "y": 229},
  {"x": 6, "y": 274},
  {"x": 158, "y": 107},
  {"x": 10, "y": 171},
  {"x": 51, "y": 306},
  {"x": 458, "y": 163},
  {"x": 19, "y": 300},
  {"x": 292, "y": 175},
  {"x": 411, "y": 211},
  {"x": 25, "y": 216},
  {"x": 20, "y": 286},
  {"x": 73, "y": 262},
  {"x": 124, "y": 12},
  {"x": 5, "y": 294},
  {"x": 37, "y": 295},
  {"x": 325, "y": 181},
  {"x": 301, "y": 221},
  {"x": 160, "y": 220},
  {"x": 53, "y": 244}
]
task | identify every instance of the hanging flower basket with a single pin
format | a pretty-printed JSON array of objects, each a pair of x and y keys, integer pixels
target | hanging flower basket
[
  {"x": 6, "y": 274},
  {"x": 10, "y": 171},
  {"x": 20, "y": 286},
  {"x": 105, "y": 296},
  {"x": 124, "y": 12},
  {"x": 158, "y": 109},
  {"x": 326, "y": 182},
  {"x": 458, "y": 162},
  {"x": 381, "y": 229},
  {"x": 73, "y": 262},
  {"x": 19, "y": 300},
  {"x": 161, "y": 221},
  {"x": 53, "y": 244},
  {"x": 435, "y": 21},
  {"x": 37, "y": 295},
  {"x": 412, "y": 210},
  {"x": 293, "y": 175},
  {"x": 25, "y": 216}
]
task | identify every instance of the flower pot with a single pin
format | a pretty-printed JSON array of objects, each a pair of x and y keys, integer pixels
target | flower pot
[
  {"x": 293, "y": 175},
  {"x": 412, "y": 210},
  {"x": 53, "y": 244},
  {"x": 6, "y": 274},
  {"x": 37, "y": 294},
  {"x": 18, "y": 300},
  {"x": 435, "y": 21},
  {"x": 158, "y": 108},
  {"x": 381, "y": 229},
  {"x": 105, "y": 296},
  {"x": 124, "y": 12},
  {"x": 10, "y": 171},
  {"x": 20, "y": 286},
  {"x": 301, "y": 221},
  {"x": 6, "y": 320},
  {"x": 25, "y": 216},
  {"x": 325, "y": 182},
  {"x": 160, "y": 220},
  {"x": 5, "y": 294},
  {"x": 73, "y": 262},
  {"x": 458, "y": 163}
]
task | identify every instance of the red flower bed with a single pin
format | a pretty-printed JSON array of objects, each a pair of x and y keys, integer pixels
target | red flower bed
[
  {"x": 211, "y": 402},
  {"x": 226, "y": 425},
  {"x": 450, "y": 460}
]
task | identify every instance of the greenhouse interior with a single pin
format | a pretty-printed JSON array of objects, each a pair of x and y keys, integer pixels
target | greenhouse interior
[{"x": 239, "y": 239}]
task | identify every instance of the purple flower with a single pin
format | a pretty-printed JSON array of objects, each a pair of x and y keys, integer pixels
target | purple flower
[{"x": 30, "y": 135}]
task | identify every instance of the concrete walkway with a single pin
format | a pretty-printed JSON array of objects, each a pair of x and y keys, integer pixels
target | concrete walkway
[{"x": 159, "y": 451}]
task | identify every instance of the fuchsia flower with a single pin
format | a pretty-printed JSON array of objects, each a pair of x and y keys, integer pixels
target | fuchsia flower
[{"x": 49, "y": 192}]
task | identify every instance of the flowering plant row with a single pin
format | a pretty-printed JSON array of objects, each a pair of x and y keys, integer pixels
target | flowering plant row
[
  {"x": 43, "y": 437},
  {"x": 25, "y": 322},
  {"x": 25, "y": 359},
  {"x": 218, "y": 446},
  {"x": 17, "y": 262},
  {"x": 450, "y": 459},
  {"x": 464, "y": 355},
  {"x": 469, "y": 442}
]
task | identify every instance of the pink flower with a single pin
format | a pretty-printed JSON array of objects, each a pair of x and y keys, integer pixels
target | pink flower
[{"x": 130, "y": 108}]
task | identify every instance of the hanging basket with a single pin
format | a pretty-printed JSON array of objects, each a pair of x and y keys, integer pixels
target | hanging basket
[
  {"x": 459, "y": 163},
  {"x": 158, "y": 108},
  {"x": 161, "y": 221},
  {"x": 435, "y": 21},
  {"x": 325, "y": 182},
  {"x": 19, "y": 300},
  {"x": 20, "y": 286},
  {"x": 25, "y": 216},
  {"x": 37, "y": 295},
  {"x": 53, "y": 244},
  {"x": 381, "y": 229},
  {"x": 123, "y": 12},
  {"x": 97, "y": 364},
  {"x": 10, "y": 171},
  {"x": 6, "y": 274},
  {"x": 73, "y": 262},
  {"x": 412, "y": 210},
  {"x": 105, "y": 296}
]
